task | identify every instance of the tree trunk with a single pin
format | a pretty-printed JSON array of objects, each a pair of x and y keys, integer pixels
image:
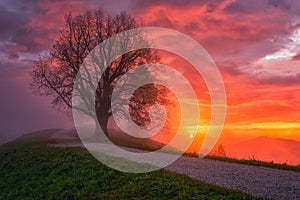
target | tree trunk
[
  {"x": 103, "y": 121},
  {"x": 103, "y": 106}
]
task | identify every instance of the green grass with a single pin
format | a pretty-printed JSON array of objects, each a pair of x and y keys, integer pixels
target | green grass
[
  {"x": 254, "y": 162},
  {"x": 41, "y": 172}
]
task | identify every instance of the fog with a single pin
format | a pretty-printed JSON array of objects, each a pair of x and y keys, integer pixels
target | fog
[{"x": 22, "y": 112}]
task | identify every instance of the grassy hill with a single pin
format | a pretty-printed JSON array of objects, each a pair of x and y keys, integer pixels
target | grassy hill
[{"x": 36, "y": 171}]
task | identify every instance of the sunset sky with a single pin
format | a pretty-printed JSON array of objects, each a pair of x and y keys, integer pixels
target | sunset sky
[{"x": 255, "y": 44}]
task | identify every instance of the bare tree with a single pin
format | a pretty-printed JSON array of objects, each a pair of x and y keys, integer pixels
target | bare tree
[
  {"x": 220, "y": 151},
  {"x": 53, "y": 75}
]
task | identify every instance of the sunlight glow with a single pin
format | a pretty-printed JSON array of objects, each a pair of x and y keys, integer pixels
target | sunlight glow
[{"x": 267, "y": 125}]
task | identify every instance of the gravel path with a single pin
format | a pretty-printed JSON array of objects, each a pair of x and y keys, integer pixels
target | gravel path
[{"x": 258, "y": 181}]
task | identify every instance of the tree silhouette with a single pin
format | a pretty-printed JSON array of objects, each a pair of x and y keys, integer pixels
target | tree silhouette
[
  {"x": 54, "y": 74},
  {"x": 220, "y": 151}
]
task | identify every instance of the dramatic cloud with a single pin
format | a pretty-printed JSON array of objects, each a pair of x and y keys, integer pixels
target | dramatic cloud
[
  {"x": 237, "y": 32},
  {"x": 254, "y": 43}
]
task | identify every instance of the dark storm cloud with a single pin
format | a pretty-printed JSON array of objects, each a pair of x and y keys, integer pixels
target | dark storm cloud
[
  {"x": 252, "y": 6},
  {"x": 14, "y": 16},
  {"x": 211, "y": 4}
]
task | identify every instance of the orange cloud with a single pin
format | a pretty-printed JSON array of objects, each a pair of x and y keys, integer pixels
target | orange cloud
[{"x": 238, "y": 35}]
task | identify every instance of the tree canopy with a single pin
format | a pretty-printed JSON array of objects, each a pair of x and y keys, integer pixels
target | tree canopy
[{"x": 54, "y": 74}]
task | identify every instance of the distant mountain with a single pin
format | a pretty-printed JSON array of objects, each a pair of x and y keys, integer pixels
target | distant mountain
[{"x": 265, "y": 148}]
